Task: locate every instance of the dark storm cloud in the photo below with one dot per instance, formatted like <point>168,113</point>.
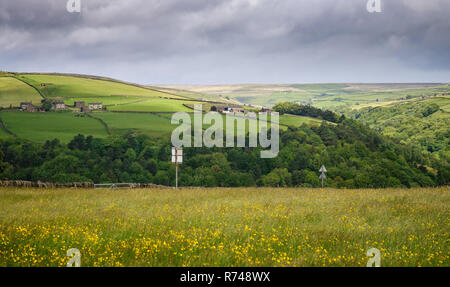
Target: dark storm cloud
<point>211,41</point>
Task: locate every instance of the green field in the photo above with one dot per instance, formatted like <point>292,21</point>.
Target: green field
<point>78,87</point>
<point>39,127</point>
<point>224,227</point>
<point>155,105</point>
<point>107,100</point>
<point>155,126</point>
<point>3,134</point>
<point>296,121</point>
<point>13,92</point>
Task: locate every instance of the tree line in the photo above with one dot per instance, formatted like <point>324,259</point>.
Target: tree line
<point>307,111</point>
<point>355,156</point>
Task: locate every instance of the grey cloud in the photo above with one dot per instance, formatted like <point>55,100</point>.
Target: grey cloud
<point>212,41</point>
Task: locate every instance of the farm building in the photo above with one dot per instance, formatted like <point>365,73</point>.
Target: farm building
<point>238,110</point>
<point>85,109</point>
<point>28,107</point>
<point>95,106</point>
<point>46,85</point>
<point>228,109</point>
<point>219,109</point>
<point>267,110</point>
<point>79,104</point>
<point>25,105</point>
<point>58,105</point>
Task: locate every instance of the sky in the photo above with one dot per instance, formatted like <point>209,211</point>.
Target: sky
<point>230,42</point>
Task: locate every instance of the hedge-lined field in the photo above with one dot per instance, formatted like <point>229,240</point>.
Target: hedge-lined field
<point>40,127</point>
<point>224,227</point>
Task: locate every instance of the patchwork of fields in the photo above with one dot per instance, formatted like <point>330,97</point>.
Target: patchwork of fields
<point>224,227</point>
<point>328,96</point>
<point>142,109</point>
<point>130,108</point>
<point>39,127</point>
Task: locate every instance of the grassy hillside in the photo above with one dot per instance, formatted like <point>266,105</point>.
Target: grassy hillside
<point>13,91</point>
<point>3,133</point>
<point>425,123</point>
<point>191,94</point>
<point>155,126</point>
<point>155,105</point>
<point>68,87</point>
<point>296,121</point>
<point>39,127</point>
<point>224,227</point>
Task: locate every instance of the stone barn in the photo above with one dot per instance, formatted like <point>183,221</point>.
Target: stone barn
<point>95,106</point>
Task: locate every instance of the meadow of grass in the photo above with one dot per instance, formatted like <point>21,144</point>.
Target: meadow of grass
<point>77,87</point>
<point>155,105</point>
<point>296,121</point>
<point>39,127</point>
<point>153,125</point>
<point>224,227</point>
<point>107,100</point>
<point>3,134</point>
<point>189,94</point>
<point>13,92</point>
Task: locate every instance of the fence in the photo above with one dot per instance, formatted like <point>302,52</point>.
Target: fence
<point>40,184</point>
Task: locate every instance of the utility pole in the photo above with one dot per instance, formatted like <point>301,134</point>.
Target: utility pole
<point>177,158</point>
<point>322,176</point>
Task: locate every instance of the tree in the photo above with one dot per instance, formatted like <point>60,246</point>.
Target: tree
<point>311,179</point>
<point>47,105</point>
<point>279,177</point>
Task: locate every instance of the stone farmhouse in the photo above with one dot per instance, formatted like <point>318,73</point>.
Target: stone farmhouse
<point>228,109</point>
<point>79,104</point>
<point>28,107</point>
<point>267,110</point>
<point>95,106</point>
<point>58,105</point>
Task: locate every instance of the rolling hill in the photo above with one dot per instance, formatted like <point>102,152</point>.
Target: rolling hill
<point>129,107</point>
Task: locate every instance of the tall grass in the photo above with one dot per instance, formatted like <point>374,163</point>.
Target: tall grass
<point>224,227</point>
